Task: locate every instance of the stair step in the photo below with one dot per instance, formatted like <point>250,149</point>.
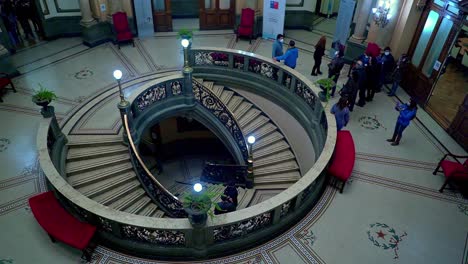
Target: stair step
<point>115,194</point>
<point>234,103</point>
<point>249,116</point>
<point>271,149</point>
<point>208,85</point>
<point>93,141</point>
<point>128,199</point>
<point>287,177</point>
<point>148,210</point>
<point>226,96</point>
<point>99,174</point>
<point>138,205</point>
<point>242,109</point>
<point>106,184</point>
<point>246,198</point>
<point>260,127</point>
<point>266,186</point>
<point>75,167</point>
<point>158,214</point>
<point>274,159</point>
<point>282,167</point>
<point>217,90</point>
<point>267,140</point>
<point>93,152</point>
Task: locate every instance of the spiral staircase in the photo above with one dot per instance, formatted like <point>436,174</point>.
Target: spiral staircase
<point>100,167</point>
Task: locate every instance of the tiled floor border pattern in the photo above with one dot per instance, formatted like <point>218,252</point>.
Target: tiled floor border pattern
<point>103,255</point>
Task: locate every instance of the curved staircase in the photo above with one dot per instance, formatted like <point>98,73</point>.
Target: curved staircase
<point>100,168</point>
<point>275,165</point>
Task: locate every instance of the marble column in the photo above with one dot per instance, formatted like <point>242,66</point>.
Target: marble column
<point>87,19</point>
<point>383,35</point>
<point>363,17</point>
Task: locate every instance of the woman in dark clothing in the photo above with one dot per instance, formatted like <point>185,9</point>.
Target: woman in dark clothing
<point>22,9</point>
<point>372,72</point>
<point>350,90</point>
<point>229,199</point>
<point>335,67</point>
<point>318,54</point>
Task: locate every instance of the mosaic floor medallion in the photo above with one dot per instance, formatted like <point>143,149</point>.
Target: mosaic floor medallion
<point>463,208</point>
<point>370,122</point>
<point>84,74</point>
<point>385,237</point>
<point>4,142</point>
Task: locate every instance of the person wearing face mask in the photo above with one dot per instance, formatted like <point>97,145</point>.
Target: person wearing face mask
<point>407,113</point>
<point>397,75</point>
<point>386,62</point>
<point>334,68</point>
<point>278,46</point>
<point>290,57</point>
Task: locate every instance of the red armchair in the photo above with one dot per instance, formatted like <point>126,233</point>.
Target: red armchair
<point>454,171</point>
<point>123,32</point>
<point>5,80</point>
<point>246,27</point>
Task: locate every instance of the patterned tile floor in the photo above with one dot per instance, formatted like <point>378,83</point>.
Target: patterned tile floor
<point>390,211</point>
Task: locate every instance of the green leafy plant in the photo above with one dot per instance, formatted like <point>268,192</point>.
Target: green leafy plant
<point>185,33</point>
<point>202,201</point>
<point>327,84</point>
<point>44,95</point>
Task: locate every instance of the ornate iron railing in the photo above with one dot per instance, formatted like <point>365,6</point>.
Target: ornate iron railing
<point>213,104</point>
<point>168,202</point>
<point>224,173</point>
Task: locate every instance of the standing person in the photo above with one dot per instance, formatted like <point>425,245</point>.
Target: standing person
<point>341,112</point>
<point>397,75</point>
<point>361,73</point>
<point>22,9</point>
<point>335,67</point>
<point>278,46</point>
<point>9,19</point>
<point>32,14</point>
<point>350,90</point>
<point>387,63</point>
<point>290,57</point>
<point>407,113</point>
<point>318,54</point>
<point>372,73</point>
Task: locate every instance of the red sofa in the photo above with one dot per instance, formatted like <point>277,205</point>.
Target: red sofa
<point>342,163</point>
<point>60,225</point>
<point>454,171</point>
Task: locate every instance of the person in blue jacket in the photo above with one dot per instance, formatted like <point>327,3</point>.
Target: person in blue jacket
<point>290,57</point>
<point>407,113</point>
<point>278,46</point>
<point>341,112</point>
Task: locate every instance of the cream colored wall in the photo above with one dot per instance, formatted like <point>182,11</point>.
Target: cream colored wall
<point>112,6</point>
<point>256,5</point>
<point>405,28</point>
<point>169,132</point>
<point>51,9</point>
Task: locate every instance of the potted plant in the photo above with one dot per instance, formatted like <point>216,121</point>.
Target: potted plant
<point>198,205</point>
<point>326,85</point>
<point>185,34</point>
<point>43,97</point>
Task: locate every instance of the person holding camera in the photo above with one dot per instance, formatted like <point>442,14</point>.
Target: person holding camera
<point>407,113</point>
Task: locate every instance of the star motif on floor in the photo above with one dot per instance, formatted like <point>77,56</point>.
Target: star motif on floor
<point>381,234</point>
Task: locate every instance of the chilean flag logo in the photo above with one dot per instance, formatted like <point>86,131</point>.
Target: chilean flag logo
<point>274,4</point>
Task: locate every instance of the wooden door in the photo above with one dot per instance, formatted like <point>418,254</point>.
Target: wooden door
<point>217,14</point>
<point>459,127</point>
<point>429,49</point>
<point>162,15</point>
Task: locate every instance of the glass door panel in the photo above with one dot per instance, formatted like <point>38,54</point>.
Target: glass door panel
<point>426,34</point>
<point>224,4</point>
<point>437,45</point>
<point>159,5</point>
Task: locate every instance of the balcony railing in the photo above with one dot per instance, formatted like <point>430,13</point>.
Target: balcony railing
<point>176,237</point>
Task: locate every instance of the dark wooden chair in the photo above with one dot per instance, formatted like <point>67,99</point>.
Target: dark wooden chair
<point>5,80</point>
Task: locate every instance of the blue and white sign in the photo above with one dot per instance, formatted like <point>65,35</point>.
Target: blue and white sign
<point>273,18</point>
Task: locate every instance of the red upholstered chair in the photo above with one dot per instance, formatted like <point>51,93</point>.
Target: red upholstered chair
<point>454,171</point>
<point>373,49</point>
<point>246,27</point>
<point>5,80</point>
<point>122,30</point>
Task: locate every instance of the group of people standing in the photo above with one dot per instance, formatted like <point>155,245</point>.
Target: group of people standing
<point>14,12</point>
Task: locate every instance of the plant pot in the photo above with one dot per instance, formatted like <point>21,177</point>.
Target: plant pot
<point>43,103</point>
<point>46,111</point>
<point>196,217</point>
<point>323,96</point>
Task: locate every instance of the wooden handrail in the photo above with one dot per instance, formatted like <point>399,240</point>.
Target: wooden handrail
<point>142,164</point>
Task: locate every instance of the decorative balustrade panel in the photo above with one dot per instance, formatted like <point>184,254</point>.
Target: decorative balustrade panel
<point>150,96</point>
<point>265,69</point>
<point>215,106</point>
<point>176,87</point>
<point>220,173</point>
<point>286,208</point>
<point>306,94</point>
<point>243,228</point>
<point>239,62</point>
<point>168,204</point>
<point>211,58</point>
<point>160,237</point>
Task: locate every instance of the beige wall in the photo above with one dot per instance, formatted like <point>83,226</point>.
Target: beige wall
<point>256,5</point>
<point>405,28</point>
<point>112,6</point>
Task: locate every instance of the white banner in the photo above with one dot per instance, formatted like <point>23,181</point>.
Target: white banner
<point>273,18</point>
